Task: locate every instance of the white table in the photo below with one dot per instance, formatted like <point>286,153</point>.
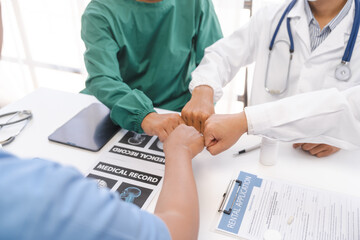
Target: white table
<point>339,172</point>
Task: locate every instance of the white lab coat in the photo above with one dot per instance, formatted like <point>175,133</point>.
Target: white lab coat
<point>334,118</point>
<point>310,71</point>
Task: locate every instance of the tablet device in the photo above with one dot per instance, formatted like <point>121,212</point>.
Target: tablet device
<point>89,129</point>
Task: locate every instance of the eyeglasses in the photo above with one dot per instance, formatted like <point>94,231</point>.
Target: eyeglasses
<point>12,119</point>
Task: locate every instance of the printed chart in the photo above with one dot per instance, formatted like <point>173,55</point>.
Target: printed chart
<point>134,167</point>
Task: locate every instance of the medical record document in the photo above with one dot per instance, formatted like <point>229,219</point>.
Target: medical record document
<point>134,167</point>
<point>295,212</point>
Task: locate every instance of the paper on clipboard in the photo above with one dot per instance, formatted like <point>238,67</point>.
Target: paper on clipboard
<point>296,212</point>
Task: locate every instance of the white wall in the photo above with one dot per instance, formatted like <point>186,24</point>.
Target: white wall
<point>42,47</point>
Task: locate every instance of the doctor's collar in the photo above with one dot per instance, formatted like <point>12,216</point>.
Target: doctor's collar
<point>298,10</point>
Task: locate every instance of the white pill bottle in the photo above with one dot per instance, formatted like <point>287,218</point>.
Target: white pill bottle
<point>269,151</point>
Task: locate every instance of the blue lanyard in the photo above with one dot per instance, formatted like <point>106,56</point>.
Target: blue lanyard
<point>351,43</point>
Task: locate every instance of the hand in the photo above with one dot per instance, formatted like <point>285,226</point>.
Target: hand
<point>222,131</point>
<point>184,140</point>
<point>199,108</point>
<point>318,150</point>
<point>160,125</point>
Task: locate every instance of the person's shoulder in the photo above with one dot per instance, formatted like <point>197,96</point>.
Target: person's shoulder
<point>9,163</point>
<point>100,11</point>
<point>95,5</point>
<point>29,173</point>
<point>7,158</point>
<point>101,7</point>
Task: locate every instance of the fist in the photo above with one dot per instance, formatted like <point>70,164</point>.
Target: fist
<point>199,108</point>
<point>184,140</point>
<point>161,125</point>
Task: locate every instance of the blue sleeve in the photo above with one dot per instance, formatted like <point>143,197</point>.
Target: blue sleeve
<point>44,200</point>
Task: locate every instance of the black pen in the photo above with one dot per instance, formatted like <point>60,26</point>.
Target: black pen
<point>245,150</point>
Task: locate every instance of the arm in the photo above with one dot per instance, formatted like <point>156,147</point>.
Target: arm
<point>221,62</point>
<point>56,202</point>
<point>178,202</point>
<point>331,117</point>
<point>128,106</point>
<point>61,204</point>
<point>208,30</point>
<point>223,59</point>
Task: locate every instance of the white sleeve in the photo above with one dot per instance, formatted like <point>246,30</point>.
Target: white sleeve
<point>325,116</point>
<point>223,59</point>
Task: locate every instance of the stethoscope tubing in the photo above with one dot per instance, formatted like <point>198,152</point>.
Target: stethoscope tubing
<point>26,112</point>
<point>342,72</point>
<point>287,10</point>
<point>353,35</point>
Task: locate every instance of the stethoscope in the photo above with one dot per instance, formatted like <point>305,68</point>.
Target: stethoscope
<point>342,71</point>
<point>24,115</point>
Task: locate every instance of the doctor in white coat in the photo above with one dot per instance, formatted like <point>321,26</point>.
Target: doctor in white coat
<point>314,35</point>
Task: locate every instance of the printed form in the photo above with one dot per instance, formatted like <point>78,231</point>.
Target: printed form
<point>296,212</point>
<point>134,167</point>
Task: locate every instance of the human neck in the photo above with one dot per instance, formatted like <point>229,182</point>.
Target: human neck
<point>149,1</point>
<point>325,10</point>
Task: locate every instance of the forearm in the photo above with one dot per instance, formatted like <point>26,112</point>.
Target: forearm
<point>128,106</point>
<point>178,202</point>
<point>212,71</point>
<point>326,116</point>
<point>223,59</point>
<point>204,92</point>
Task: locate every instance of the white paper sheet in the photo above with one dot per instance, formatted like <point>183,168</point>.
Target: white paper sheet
<point>296,212</point>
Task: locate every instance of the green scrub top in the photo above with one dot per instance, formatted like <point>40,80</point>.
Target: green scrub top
<point>140,55</point>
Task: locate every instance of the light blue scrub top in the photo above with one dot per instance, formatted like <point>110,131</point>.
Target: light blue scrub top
<point>44,200</point>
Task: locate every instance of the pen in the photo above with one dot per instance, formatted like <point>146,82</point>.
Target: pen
<point>245,150</point>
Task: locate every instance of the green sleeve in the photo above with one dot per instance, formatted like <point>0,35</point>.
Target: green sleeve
<point>209,30</point>
<point>128,106</point>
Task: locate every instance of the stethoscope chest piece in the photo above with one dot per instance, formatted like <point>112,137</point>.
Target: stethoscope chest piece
<point>342,72</point>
